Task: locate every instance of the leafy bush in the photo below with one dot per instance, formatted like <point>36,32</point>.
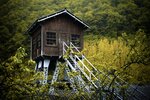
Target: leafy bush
<point>126,56</point>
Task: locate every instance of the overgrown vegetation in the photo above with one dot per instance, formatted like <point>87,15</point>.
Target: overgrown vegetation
<point>17,77</point>
<point>106,17</point>
<point>127,56</point>
<point>116,43</point>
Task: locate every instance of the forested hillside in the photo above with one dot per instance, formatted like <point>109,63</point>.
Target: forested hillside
<point>106,17</point>
<point>117,41</point>
<point>127,56</point>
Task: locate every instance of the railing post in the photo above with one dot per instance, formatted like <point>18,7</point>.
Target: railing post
<point>46,65</point>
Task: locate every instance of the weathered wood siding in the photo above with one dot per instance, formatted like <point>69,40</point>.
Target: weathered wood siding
<point>61,25</point>
<point>35,51</point>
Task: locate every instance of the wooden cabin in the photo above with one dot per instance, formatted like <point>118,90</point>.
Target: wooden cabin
<point>48,33</point>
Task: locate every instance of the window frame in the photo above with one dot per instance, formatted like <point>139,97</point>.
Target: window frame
<point>72,41</point>
<point>51,39</point>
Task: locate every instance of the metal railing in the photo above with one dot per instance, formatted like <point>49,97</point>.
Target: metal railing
<point>89,74</point>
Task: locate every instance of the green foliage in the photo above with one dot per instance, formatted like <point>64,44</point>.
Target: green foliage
<point>107,17</point>
<point>126,56</point>
<point>17,77</point>
<point>68,52</point>
<point>73,74</point>
<point>60,85</point>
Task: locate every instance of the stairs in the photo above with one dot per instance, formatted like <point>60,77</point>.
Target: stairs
<point>76,63</point>
<point>71,79</point>
<point>85,79</point>
<point>54,79</point>
<point>73,62</point>
<point>45,75</point>
<point>77,79</point>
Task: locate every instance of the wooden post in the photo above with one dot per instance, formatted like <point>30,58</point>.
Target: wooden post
<point>46,65</point>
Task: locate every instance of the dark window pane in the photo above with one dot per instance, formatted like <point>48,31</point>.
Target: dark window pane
<point>51,38</point>
<point>75,39</point>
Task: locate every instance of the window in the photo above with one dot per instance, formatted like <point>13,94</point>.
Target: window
<point>75,39</point>
<point>51,38</point>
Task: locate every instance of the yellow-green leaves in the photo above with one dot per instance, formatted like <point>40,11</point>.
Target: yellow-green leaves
<point>18,76</point>
<point>114,55</point>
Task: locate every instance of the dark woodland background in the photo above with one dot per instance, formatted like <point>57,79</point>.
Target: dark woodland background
<point>119,36</point>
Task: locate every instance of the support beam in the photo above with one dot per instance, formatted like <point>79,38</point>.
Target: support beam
<point>46,65</point>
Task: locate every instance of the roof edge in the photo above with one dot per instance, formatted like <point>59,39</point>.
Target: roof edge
<point>53,15</point>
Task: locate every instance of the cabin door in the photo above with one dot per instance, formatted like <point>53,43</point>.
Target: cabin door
<point>63,37</point>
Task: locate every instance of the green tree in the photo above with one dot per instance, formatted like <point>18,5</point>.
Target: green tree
<point>127,56</point>
<point>17,78</point>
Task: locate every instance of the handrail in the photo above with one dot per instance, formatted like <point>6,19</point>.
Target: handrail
<point>90,72</point>
<point>86,67</point>
<point>83,56</point>
<point>70,65</point>
<point>65,44</point>
<point>87,76</point>
<point>82,70</point>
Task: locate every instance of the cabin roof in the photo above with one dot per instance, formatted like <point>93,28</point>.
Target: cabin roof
<point>65,11</point>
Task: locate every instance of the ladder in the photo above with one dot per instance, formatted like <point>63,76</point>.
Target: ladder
<point>71,79</point>
<point>45,75</point>
<point>54,79</point>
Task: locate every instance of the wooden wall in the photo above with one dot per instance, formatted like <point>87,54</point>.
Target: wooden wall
<point>64,26</point>
<point>37,51</point>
